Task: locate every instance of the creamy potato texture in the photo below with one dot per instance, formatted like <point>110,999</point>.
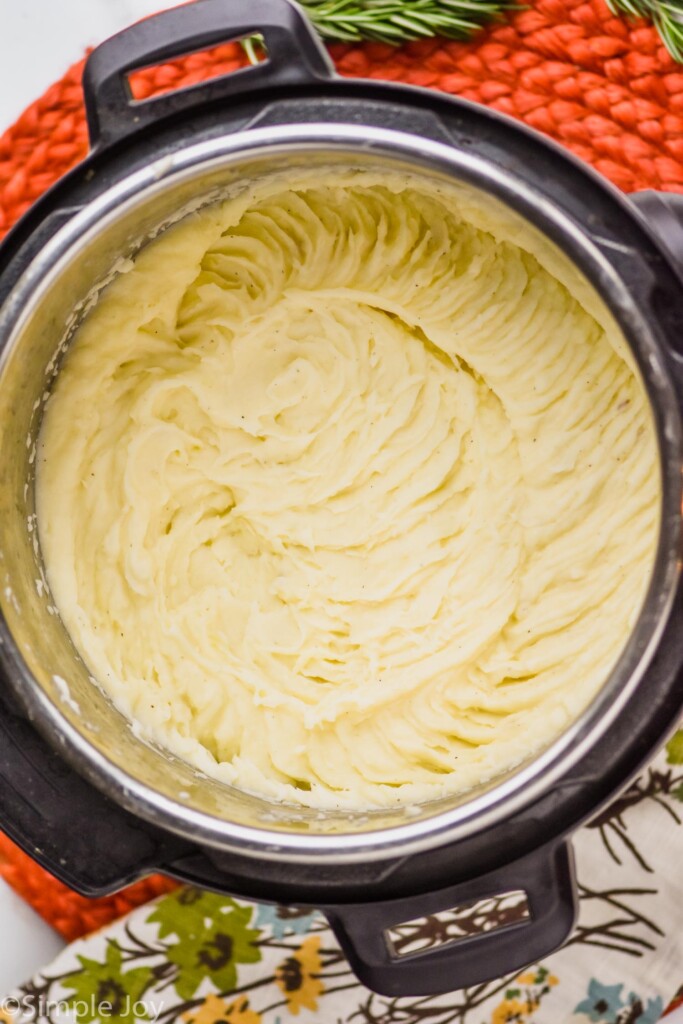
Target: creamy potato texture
<point>344,495</point>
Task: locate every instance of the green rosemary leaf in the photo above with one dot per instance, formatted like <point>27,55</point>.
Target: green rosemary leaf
<point>254,47</point>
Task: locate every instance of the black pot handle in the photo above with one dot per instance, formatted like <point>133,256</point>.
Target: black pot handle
<point>663,214</point>
<point>295,57</point>
<point>72,829</point>
<point>547,878</point>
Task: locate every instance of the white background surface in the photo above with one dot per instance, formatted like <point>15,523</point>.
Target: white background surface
<point>26,942</point>
<point>39,39</point>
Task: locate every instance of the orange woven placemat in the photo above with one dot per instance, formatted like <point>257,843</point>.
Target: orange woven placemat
<point>604,87</point>
<point>70,914</point>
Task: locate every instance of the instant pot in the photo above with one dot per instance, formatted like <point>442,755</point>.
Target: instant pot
<point>80,791</point>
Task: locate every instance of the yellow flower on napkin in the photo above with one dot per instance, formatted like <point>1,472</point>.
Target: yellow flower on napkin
<point>510,1011</point>
<point>217,1011</point>
<point>298,978</point>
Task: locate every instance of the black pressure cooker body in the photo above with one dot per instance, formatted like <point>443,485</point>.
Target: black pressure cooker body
<point>52,803</point>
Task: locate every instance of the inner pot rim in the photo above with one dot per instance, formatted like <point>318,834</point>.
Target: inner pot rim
<point>521,787</point>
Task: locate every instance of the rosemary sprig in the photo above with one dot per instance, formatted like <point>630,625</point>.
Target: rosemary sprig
<point>667,16</point>
<point>397,21</point>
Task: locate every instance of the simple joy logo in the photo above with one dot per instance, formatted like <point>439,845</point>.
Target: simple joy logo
<point>26,1008</point>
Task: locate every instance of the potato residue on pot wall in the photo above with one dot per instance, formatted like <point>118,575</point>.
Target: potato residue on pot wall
<point>343,496</point>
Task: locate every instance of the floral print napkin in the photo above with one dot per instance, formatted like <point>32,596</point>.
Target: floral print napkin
<point>195,957</point>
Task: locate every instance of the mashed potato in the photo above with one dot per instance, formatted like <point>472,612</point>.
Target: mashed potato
<point>343,496</point>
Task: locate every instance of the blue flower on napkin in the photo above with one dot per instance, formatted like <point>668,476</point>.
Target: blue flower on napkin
<point>284,921</point>
<point>604,1005</point>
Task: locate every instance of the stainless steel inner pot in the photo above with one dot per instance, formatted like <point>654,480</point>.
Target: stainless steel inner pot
<point>37,321</point>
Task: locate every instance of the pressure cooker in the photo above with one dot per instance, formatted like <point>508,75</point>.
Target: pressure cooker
<point>79,790</point>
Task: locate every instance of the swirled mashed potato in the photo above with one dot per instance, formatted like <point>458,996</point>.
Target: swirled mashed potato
<point>343,496</point>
